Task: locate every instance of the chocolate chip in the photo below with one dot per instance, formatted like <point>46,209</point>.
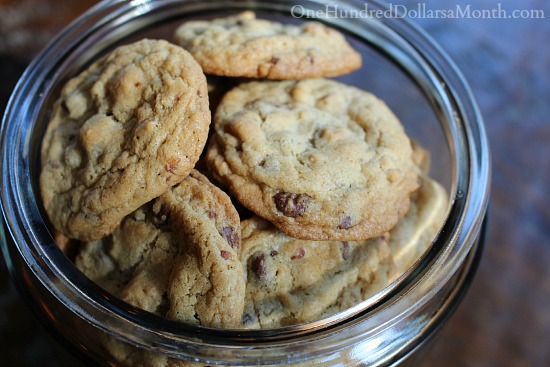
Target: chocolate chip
<point>345,222</point>
<point>345,250</point>
<point>291,205</point>
<point>274,253</point>
<point>231,237</point>
<point>258,266</point>
<point>299,255</point>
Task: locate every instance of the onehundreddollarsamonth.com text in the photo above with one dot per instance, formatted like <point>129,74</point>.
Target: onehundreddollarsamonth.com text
<point>420,11</point>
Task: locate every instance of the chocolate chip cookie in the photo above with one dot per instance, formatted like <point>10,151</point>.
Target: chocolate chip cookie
<point>242,45</point>
<point>408,240</point>
<point>319,159</point>
<point>290,281</point>
<point>177,256</point>
<point>122,132</point>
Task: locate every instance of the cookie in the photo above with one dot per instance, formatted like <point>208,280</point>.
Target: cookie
<point>122,132</point>
<point>242,45</point>
<point>408,240</point>
<point>416,231</point>
<point>289,277</point>
<point>177,256</point>
<point>319,159</point>
<point>291,281</point>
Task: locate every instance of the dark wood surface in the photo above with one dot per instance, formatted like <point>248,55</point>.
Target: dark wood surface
<point>504,319</point>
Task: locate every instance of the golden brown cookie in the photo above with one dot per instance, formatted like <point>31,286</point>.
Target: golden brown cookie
<point>177,256</point>
<point>408,240</point>
<point>291,281</point>
<point>242,45</point>
<point>122,132</point>
<point>317,158</point>
<point>416,231</point>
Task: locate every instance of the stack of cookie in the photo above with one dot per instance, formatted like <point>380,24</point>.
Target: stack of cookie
<point>303,198</point>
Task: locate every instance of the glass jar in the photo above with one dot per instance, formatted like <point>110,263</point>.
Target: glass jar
<point>402,65</point>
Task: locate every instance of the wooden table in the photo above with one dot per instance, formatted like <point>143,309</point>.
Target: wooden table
<point>505,318</point>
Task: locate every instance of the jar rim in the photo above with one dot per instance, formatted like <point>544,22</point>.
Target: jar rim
<point>442,81</point>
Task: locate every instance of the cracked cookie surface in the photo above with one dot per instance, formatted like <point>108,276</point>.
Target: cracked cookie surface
<point>242,45</point>
<point>318,159</point>
<point>122,132</point>
<point>177,256</point>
